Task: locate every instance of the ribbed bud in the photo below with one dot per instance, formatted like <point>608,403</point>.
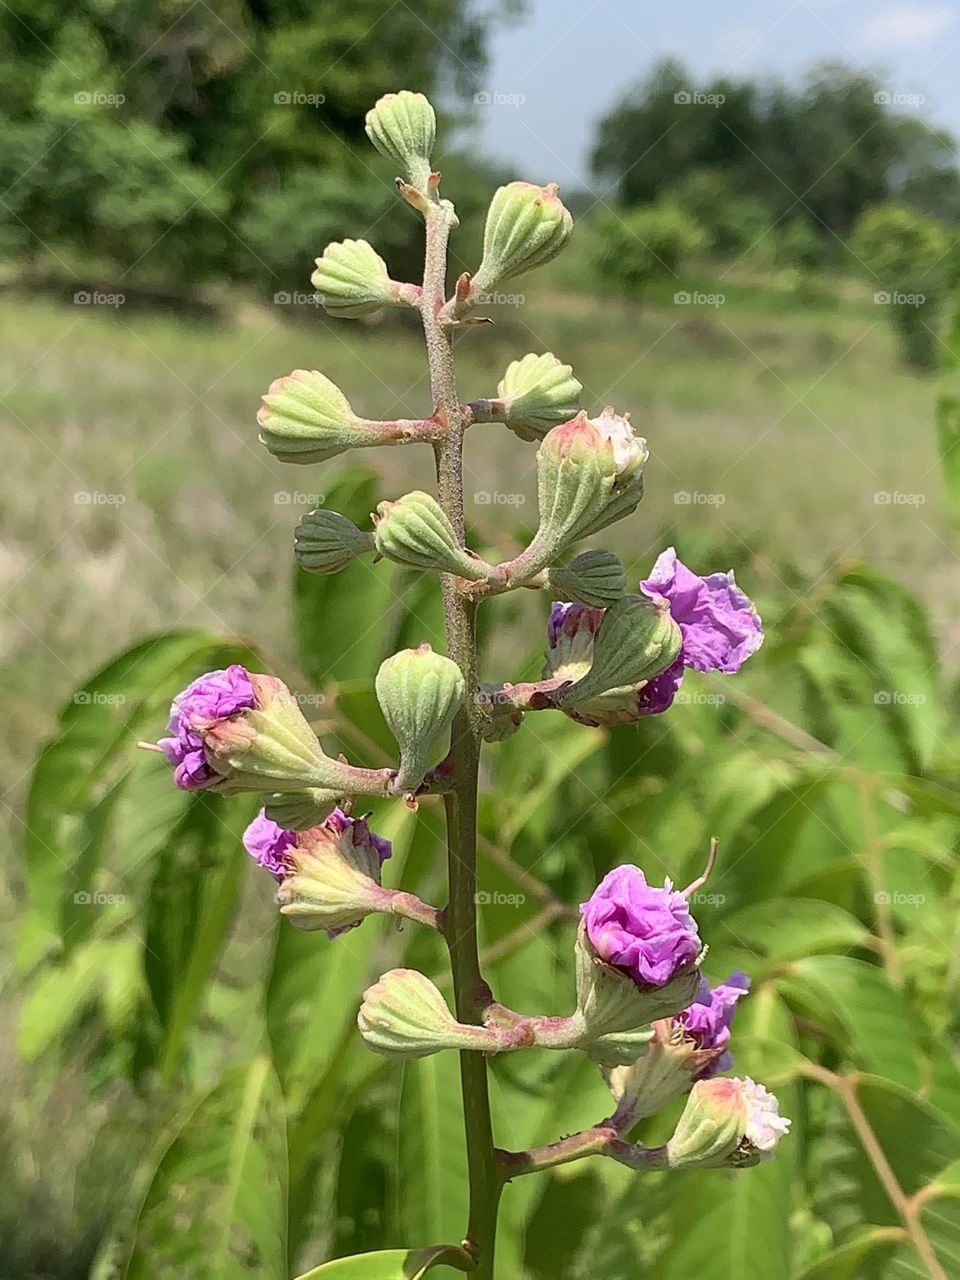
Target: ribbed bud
<point>620,1050</point>
<point>636,640</point>
<point>271,747</point>
<point>594,578</point>
<point>526,226</point>
<point>414,530</point>
<point>419,692</point>
<point>611,1001</point>
<point>306,418</point>
<point>403,1015</point>
<point>352,280</point>
<point>326,541</point>
<point>537,393</point>
<point>403,127</point>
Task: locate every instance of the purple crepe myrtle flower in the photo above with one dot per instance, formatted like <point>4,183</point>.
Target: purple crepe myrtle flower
<point>719,624</point>
<point>211,697</point>
<point>707,1021</point>
<point>646,932</point>
<point>291,857</point>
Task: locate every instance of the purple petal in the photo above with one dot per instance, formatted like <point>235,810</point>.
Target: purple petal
<point>707,1021</point>
<point>213,696</point>
<point>719,624</point>
<point>646,931</point>
<point>267,843</point>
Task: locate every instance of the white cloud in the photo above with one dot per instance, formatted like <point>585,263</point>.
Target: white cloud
<point>907,27</point>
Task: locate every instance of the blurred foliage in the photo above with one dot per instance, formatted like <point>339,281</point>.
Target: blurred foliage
<point>232,1122</point>
<point>634,247</point>
<point>822,151</point>
<point>177,142</point>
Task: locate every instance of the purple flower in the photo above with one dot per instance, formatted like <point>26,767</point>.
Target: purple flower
<point>214,696</point>
<point>267,843</point>
<point>719,625</point>
<point>707,1021</point>
<point>647,932</point>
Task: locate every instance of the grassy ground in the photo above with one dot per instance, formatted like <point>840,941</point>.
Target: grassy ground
<point>782,421</point>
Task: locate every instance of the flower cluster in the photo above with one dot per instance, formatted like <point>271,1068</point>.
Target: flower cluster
<point>643,1012</point>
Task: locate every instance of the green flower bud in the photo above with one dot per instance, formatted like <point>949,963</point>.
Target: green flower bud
<point>353,280</point>
<point>419,692</point>
<point>272,747</point>
<point>306,418</point>
<point>620,1050</point>
<point>526,226</point>
<point>537,393</point>
<point>403,127</point>
<point>403,1015</point>
<point>326,541</point>
<point>415,531</point>
<point>636,640</point>
<point>610,1001</point>
<point>728,1122</point>
<point>595,578</point>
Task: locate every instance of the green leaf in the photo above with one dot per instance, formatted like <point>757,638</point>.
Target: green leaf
<point>846,1262</point>
<point>432,1160</point>
<point>790,928</point>
<point>216,1207</point>
<point>948,431</point>
<point>390,1264</point>
<point>192,903</point>
<point>866,1015</point>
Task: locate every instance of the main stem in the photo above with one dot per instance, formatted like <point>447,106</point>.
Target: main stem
<point>460,803</point>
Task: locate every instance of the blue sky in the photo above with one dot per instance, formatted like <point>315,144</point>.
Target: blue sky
<point>570,60</point>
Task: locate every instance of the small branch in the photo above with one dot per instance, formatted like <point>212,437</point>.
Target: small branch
<point>845,1087</point>
<point>601,1140</point>
<point>873,861</point>
<point>410,907</point>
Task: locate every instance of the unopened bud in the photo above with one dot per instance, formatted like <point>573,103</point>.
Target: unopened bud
<point>595,578</point>
<point>636,640</point>
<point>298,810</point>
<point>326,541</point>
<point>353,280</point>
<point>403,1015</point>
<point>526,226</point>
<point>415,531</point>
<point>419,692</point>
<point>537,393</point>
<point>403,127</point>
<point>306,418</point>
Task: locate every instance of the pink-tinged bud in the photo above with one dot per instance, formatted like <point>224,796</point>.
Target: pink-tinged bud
<point>589,474</point>
<point>306,418</point>
<point>235,731</point>
<point>352,280</point>
<point>726,1122</point>
<point>329,875</point>
<point>526,226</point>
